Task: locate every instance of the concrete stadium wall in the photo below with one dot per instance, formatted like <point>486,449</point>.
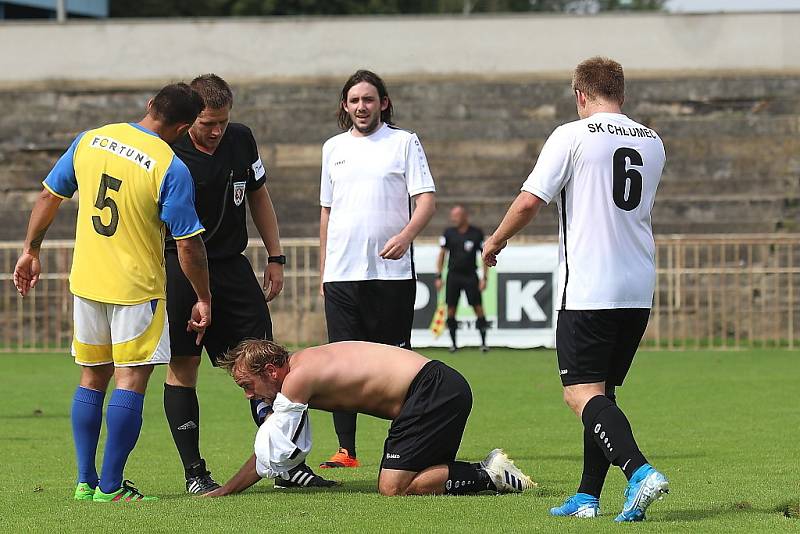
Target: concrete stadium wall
<point>733,145</point>
<point>273,48</point>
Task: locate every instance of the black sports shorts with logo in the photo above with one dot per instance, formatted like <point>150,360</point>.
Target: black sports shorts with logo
<point>598,345</point>
<point>430,425</point>
<point>381,311</point>
<point>458,281</point>
<point>238,307</point>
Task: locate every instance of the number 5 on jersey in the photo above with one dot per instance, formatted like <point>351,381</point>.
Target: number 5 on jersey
<point>103,201</point>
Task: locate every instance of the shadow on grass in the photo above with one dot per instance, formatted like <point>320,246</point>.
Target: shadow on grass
<point>790,509</point>
<point>579,457</point>
<point>31,416</point>
<point>696,514</point>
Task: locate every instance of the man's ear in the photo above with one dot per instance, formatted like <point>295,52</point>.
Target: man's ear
<point>182,129</point>
<point>270,370</point>
<point>384,103</point>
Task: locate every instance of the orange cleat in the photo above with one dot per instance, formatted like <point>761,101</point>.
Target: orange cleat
<point>341,459</point>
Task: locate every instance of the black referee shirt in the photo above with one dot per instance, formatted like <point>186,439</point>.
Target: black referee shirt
<point>221,180</point>
<point>462,248</point>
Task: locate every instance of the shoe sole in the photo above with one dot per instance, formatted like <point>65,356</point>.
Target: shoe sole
<point>585,513</point>
<point>331,465</point>
<point>507,477</point>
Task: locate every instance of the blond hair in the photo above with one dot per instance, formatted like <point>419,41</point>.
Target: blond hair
<point>253,355</point>
<point>600,77</point>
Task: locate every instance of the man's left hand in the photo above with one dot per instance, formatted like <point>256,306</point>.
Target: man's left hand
<point>395,248</point>
<point>482,284</point>
<point>273,280</point>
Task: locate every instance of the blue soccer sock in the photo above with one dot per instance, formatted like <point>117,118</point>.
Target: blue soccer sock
<point>87,418</point>
<point>123,422</point>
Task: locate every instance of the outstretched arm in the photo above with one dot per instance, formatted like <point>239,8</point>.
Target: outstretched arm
<point>243,479</point>
<point>522,211</point>
<point>28,269</point>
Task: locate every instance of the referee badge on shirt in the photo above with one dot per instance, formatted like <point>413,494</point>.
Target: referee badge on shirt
<point>468,245</point>
<point>238,192</point>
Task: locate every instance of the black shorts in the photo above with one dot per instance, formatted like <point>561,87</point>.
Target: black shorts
<point>430,425</point>
<point>468,282</point>
<point>381,311</point>
<point>598,345</point>
<point>238,307</point>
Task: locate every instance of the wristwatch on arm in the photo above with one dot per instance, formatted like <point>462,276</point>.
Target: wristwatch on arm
<point>277,259</point>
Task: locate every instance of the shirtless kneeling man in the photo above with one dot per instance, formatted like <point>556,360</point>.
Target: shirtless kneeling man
<point>427,402</point>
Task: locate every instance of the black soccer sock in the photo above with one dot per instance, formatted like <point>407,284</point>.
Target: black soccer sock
<point>612,432</point>
<point>595,463</point>
<point>595,466</point>
<point>482,323</point>
<point>465,478</point>
<point>183,416</point>
<point>452,326</point>
<point>345,425</point>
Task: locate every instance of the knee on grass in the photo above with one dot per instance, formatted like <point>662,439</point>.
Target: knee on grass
<point>392,489</point>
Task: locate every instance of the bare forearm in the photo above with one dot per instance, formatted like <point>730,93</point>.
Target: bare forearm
<point>194,263</point>
<point>266,221</point>
<point>424,208</point>
<point>440,261</point>
<point>42,215</point>
<point>324,215</point>
<point>522,211</point>
<point>244,478</point>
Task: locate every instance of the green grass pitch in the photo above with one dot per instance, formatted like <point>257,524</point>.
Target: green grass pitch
<point>723,427</point>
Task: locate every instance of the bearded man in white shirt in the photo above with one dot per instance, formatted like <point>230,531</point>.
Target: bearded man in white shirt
<point>370,174</point>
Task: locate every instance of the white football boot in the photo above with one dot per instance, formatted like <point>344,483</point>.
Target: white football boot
<point>507,477</point>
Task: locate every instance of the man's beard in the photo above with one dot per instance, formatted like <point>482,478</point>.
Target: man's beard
<point>371,127</point>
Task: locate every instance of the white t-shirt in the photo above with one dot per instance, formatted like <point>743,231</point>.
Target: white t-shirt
<point>368,183</point>
<point>603,172</point>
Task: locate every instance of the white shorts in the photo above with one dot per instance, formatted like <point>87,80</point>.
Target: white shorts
<point>122,335</point>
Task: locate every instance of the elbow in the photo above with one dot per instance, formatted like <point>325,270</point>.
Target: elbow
<point>530,203</point>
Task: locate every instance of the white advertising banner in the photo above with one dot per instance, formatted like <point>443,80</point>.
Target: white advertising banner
<point>519,300</point>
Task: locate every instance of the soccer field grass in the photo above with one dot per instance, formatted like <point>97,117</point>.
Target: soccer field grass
<point>722,426</point>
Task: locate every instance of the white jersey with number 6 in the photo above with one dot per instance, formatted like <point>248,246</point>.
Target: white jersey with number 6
<point>603,172</point>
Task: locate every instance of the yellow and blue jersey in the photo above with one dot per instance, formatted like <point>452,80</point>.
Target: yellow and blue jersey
<point>130,184</point>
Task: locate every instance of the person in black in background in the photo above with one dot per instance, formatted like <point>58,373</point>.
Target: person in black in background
<point>462,242</point>
<point>226,168</point>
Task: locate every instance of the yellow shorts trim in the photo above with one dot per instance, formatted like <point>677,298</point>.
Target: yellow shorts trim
<point>91,354</point>
<point>143,348</point>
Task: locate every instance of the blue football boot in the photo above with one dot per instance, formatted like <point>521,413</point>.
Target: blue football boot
<point>645,486</point>
<point>579,505</point>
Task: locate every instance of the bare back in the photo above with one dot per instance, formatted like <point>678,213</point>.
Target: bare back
<point>352,376</point>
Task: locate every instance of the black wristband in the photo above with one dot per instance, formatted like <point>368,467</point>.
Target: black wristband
<point>277,259</point>
<point>438,275</point>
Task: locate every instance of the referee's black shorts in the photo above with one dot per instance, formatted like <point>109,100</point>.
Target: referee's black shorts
<point>238,307</point>
<point>456,282</point>
<point>598,345</point>
<point>381,311</point>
